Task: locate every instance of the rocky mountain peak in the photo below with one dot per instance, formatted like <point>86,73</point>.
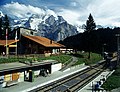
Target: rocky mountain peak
<point>50,26</point>
<point>50,20</point>
<point>60,19</point>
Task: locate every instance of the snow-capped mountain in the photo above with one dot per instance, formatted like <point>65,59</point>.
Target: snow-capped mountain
<point>75,12</point>
<point>50,26</point>
<point>45,20</point>
<point>55,28</point>
<point>80,28</point>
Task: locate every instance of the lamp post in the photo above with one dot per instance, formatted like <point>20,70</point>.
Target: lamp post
<point>118,48</point>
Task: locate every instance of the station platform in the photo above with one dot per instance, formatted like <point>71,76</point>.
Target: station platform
<point>40,81</point>
<point>105,74</point>
<point>89,86</point>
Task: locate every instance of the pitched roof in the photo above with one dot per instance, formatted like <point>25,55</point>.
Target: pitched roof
<point>44,41</point>
<point>9,42</point>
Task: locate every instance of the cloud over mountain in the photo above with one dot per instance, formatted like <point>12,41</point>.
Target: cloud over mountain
<point>45,21</point>
<point>15,9</point>
<point>105,12</point>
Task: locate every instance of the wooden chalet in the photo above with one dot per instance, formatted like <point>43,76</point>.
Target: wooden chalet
<point>38,45</point>
<point>29,43</point>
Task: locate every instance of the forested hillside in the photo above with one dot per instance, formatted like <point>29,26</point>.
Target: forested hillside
<point>100,39</point>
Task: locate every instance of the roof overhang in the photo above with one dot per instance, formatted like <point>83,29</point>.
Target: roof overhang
<point>44,41</point>
<point>7,42</point>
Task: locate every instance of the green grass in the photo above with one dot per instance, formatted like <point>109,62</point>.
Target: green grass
<point>80,61</point>
<point>113,81</point>
<point>60,58</point>
<point>94,58</point>
<point>83,58</point>
<point>10,60</point>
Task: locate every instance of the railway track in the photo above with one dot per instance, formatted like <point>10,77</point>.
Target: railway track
<point>72,83</point>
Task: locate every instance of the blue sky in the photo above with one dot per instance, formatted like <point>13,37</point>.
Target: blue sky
<point>76,12</point>
<point>38,3</point>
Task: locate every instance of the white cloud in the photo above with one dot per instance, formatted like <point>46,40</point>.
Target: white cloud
<point>21,10</point>
<point>24,11</point>
<point>105,12</point>
<point>70,16</point>
<point>73,4</point>
<point>51,12</point>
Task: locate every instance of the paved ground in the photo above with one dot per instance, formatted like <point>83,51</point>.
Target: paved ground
<point>26,86</point>
<point>73,61</point>
<point>88,87</point>
<point>11,65</point>
<point>18,64</point>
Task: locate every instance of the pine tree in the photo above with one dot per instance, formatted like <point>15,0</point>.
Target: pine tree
<point>90,26</point>
<point>0,27</point>
<point>6,26</point>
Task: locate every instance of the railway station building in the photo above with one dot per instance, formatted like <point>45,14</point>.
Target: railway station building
<point>14,73</point>
<point>28,43</point>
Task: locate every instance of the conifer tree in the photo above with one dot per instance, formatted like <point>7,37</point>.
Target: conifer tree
<point>6,26</point>
<point>90,26</point>
<point>0,27</point>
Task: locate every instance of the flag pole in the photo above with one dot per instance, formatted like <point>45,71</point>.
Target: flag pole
<point>6,41</point>
<point>16,41</point>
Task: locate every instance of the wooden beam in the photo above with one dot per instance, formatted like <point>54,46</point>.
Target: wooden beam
<point>12,45</point>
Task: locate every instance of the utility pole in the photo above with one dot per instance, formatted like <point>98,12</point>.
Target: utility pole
<point>118,48</point>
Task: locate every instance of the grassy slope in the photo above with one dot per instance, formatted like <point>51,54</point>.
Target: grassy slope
<point>83,58</point>
<point>113,81</point>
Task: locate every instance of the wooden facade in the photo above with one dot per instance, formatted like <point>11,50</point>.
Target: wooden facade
<point>29,43</point>
<point>38,45</point>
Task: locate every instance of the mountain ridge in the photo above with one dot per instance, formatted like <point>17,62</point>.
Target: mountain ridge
<point>50,26</point>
